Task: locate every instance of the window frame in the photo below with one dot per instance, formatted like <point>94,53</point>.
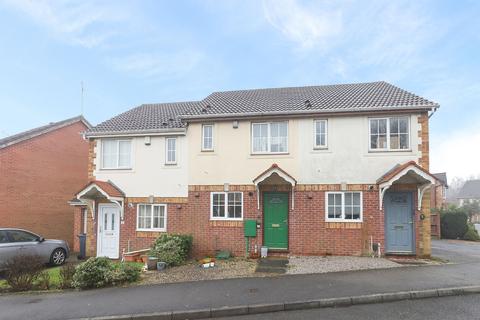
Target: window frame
<point>164,229</point>
<point>203,137</point>
<point>409,147</point>
<point>117,167</point>
<point>315,146</point>
<point>342,218</point>
<point>226,218</point>
<point>269,138</point>
<point>174,162</point>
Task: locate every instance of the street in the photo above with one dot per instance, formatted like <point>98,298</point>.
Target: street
<point>458,308</point>
<point>462,271</point>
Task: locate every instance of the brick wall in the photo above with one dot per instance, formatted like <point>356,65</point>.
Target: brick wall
<point>38,177</point>
<point>309,233</point>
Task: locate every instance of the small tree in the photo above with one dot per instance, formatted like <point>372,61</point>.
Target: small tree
<point>471,208</point>
<point>453,222</point>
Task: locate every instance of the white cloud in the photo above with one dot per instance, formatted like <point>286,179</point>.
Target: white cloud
<point>159,65</point>
<point>458,153</point>
<point>308,27</point>
<point>83,23</point>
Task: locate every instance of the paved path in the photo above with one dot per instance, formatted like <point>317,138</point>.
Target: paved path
<point>217,293</point>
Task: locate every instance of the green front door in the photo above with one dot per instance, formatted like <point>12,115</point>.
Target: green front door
<point>275,220</point>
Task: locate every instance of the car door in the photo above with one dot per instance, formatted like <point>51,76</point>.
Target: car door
<point>7,249</point>
<point>26,243</point>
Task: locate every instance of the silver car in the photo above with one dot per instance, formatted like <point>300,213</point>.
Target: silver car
<point>15,242</point>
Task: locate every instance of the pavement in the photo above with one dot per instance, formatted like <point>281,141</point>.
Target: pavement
<point>458,308</point>
<point>241,292</point>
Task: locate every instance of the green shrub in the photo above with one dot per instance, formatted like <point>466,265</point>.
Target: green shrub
<point>102,272</point>
<point>93,273</point>
<point>127,272</point>
<point>22,271</point>
<point>453,222</point>
<point>173,249</point>
<point>66,275</point>
<point>471,234</point>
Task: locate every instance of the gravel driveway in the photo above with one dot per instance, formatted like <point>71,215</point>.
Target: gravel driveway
<point>311,264</point>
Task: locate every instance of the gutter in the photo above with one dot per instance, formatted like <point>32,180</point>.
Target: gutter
<point>230,116</point>
<point>137,133</point>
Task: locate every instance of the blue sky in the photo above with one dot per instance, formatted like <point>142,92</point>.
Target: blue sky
<point>133,52</point>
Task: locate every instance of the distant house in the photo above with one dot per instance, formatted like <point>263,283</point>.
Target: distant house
<point>316,170</point>
<point>40,169</point>
<point>470,193</point>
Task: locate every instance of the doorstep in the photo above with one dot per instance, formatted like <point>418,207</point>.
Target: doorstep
<point>277,265</point>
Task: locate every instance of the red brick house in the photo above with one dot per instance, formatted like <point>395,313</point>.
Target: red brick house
<point>317,170</point>
<point>40,169</point>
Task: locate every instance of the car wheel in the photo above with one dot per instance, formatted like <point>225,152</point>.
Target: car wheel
<point>58,257</point>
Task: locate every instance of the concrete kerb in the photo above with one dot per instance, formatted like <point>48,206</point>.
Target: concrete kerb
<point>297,305</point>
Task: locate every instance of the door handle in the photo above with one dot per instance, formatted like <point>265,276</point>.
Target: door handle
<point>275,225</point>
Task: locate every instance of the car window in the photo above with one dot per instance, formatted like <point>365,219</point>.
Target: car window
<point>21,236</point>
<point>3,237</point>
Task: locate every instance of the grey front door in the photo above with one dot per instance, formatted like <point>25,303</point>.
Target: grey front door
<point>399,221</point>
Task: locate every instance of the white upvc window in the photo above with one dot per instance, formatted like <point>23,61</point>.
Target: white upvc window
<point>171,150</point>
<point>226,206</point>
<point>207,137</point>
<point>116,154</point>
<point>320,134</point>
<point>389,134</point>
<point>343,206</point>
<point>152,217</point>
<point>270,137</point>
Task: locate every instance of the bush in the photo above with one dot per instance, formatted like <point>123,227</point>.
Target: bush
<point>22,271</point>
<point>93,273</point>
<point>102,272</point>
<point>66,275</point>
<point>127,272</point>
<point>471,234</point>
<point>43,280</point>
<point>173,249</point>
<point>453,223</point>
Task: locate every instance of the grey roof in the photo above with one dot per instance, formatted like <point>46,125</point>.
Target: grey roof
<point>470,190</point>
<point>147,118</point>
<point>442,177</point>
<point>369,97</point>
<point>373,96</point>
<point>16,138</point>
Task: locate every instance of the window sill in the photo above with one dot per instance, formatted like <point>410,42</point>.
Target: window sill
<point>320,148</point>
<point>344,220</point>
<point>151,230</point>
<point>115,169</point>
<point>207,150</point>
<point>269,153</point>
<point>226,219</point>
<point>389,150</point>
<point>172,164</point>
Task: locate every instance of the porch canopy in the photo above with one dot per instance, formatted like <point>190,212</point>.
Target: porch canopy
<point>97,190</point>
<point>407,173</point>
<point>274,176</point>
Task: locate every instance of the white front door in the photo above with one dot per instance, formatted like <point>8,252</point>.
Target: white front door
<point>108,237</point>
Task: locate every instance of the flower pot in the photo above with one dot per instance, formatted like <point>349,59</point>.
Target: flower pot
<point>152,263</point>
<point>161,266</point>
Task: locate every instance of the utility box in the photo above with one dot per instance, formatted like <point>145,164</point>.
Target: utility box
<point>250,228</point>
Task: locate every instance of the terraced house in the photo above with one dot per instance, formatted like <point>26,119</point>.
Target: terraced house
<point>335,169</point>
